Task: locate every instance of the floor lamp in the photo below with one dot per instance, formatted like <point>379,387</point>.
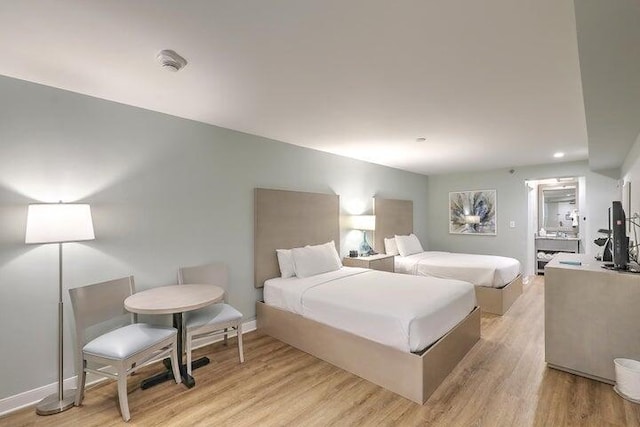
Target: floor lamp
<point>58,223</point>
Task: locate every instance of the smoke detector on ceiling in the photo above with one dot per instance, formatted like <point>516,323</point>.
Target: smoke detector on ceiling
<point>170,60</point>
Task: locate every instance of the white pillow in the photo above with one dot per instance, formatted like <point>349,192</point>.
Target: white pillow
<point>312,260</point>
<point>408,245</point>
<point>390,247</point>
<point>285,261</point>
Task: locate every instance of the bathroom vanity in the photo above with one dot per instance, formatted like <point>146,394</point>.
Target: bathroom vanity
<point>549,246</point>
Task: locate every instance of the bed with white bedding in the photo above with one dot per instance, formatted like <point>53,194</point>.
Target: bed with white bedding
<point>482,270</point>
<point>367,323</point>
<point>401,311</point>
<point>497,279</point>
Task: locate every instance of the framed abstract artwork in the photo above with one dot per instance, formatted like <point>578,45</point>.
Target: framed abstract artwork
<point>473,212</point>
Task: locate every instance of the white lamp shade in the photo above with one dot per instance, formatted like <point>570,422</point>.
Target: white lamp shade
<point>58,223</point>
<point>363,222</point>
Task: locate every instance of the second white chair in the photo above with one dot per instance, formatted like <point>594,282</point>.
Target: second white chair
<point>216,319</point>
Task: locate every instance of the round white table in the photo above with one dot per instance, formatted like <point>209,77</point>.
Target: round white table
<point>175,300</point>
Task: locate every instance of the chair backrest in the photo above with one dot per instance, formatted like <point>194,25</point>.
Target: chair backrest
<point>216,273</point>
<point>100,302</point>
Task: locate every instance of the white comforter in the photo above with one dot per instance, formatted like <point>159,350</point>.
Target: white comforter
<point>406,312</point>
<point>481,270</point>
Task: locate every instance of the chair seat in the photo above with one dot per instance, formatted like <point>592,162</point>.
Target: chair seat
<point>216,313</point>
<point>126,341</point>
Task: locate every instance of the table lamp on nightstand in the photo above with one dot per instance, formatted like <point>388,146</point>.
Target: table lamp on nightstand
<point>364,223</point>
<point>58,223</point>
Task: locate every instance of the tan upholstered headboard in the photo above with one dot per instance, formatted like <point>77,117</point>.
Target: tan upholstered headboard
<point>289,219</point>
<point>392,217</point>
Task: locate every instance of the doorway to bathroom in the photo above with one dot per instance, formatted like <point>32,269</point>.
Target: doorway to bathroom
<point>554,222</point>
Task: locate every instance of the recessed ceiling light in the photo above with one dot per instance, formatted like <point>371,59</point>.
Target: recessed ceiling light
<point>421,139</point>
<point>558,155</point>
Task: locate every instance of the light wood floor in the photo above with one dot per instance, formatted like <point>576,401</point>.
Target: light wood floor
<point>503,381</point>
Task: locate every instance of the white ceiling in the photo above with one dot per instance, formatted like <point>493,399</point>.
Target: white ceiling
<point>490,84</point>
<point>609,46</point>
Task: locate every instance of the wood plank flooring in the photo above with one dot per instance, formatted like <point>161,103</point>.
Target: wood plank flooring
<point>503,381</point>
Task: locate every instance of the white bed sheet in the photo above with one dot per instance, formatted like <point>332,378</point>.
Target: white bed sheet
<point>481,270</point>
<point>406,312</point>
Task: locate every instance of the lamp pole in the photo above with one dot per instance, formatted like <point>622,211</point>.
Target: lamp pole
<point>58,223</point>
<point>62,399</point>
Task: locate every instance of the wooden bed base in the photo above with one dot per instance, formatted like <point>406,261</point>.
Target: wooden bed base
<point>498,300</point>
<point>410,375</point>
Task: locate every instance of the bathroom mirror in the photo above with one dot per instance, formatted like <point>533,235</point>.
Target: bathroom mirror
<point>559,211</point>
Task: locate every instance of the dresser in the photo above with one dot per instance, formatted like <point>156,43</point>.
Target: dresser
<point>592,316</point>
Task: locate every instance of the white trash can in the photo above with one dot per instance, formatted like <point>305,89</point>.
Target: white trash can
<point>627,379</point>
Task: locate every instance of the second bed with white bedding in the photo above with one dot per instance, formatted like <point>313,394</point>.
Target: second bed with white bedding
<point>481,270</point>
<point>405,312</point>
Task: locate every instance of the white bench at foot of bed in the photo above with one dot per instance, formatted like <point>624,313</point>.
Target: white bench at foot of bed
<point>498,300</point>
<point>414,376</point>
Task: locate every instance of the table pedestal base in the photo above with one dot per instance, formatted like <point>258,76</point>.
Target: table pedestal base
<point>167,375</point>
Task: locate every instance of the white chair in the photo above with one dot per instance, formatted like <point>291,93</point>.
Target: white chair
<point>127,345</point>
<point>216,319</point>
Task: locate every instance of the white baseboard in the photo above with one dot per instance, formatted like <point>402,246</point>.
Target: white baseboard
<point>249,326</point>
<point>31,397</point>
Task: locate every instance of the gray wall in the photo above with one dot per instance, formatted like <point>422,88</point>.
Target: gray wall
<point>164,192</point>
<point>512,206</point>
<point>631,174</point>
